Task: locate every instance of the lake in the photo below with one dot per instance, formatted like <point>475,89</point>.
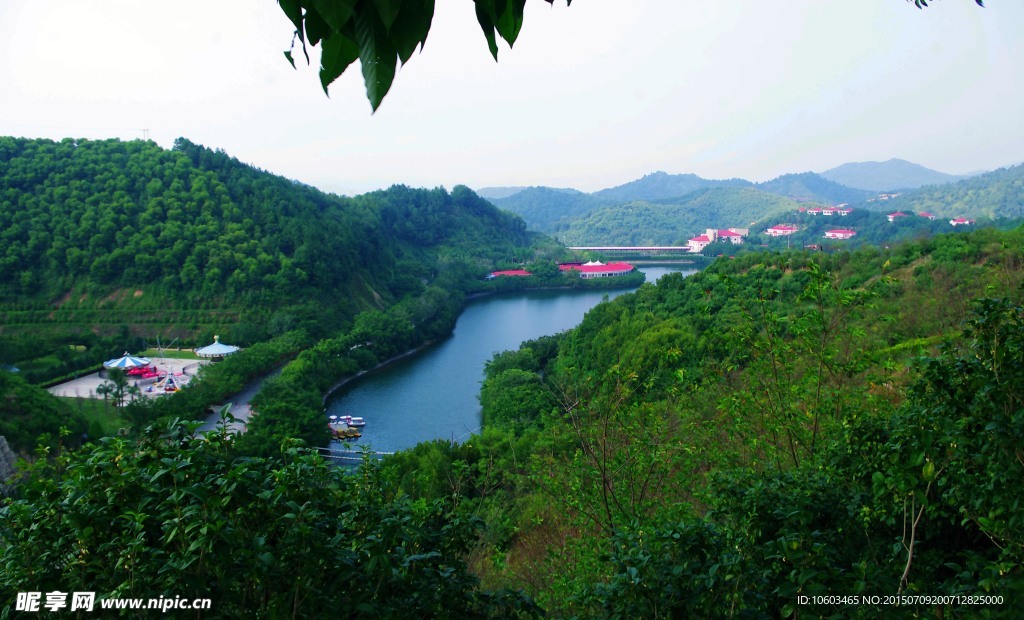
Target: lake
<point>434,393</point>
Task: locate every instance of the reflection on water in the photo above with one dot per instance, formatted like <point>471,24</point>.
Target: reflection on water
<point>434,394</point>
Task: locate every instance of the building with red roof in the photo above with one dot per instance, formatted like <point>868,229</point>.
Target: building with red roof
<point>781,230</point>
<point>892,216</point>
<point>597,269</point>
<point>926,215</point>
<point>732,235</point>
<point>839,233</point>
<point>960,221</point>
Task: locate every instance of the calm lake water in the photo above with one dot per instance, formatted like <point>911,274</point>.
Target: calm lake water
<point>434,394</point>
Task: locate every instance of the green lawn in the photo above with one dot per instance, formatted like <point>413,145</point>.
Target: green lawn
<point>184,354</point>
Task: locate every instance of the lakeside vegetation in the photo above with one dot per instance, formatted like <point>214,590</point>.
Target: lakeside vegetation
<point>783,423</point>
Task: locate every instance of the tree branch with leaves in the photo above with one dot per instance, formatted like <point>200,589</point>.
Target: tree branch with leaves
<point>382,33</point>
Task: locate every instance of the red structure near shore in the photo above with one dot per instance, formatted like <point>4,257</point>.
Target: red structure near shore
<point>597,269</point>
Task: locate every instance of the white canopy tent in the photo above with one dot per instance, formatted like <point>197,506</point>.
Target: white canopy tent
<point>126,361</point>
<point>217,349</point>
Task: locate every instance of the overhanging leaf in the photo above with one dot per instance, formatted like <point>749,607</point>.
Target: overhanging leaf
<point>510,20</point>
<point>337,54</point>
<point>316,28</point>
<point>293,10</point>
<point>336,13</point>
<point>377,56</point>
<point>484,15</point>
<point>388,10</point>
<point>411,28</point>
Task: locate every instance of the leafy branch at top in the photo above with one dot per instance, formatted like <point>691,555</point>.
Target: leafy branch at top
<point>924,3</point>
<point>380,33</point>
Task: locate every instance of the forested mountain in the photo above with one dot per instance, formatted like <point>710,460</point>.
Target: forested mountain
<point>997,194</point>
<point>661,185</point>
<point>672,222</point>
<point>126,237</point>
<point>547,209</point>
<point>810,187</point>
<point>887,176</point>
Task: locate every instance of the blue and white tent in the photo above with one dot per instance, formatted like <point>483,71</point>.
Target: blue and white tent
<point>126,361</point>
<point>217,349</point>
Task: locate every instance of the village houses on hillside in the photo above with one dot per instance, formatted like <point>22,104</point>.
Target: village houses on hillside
<point>733,235</point>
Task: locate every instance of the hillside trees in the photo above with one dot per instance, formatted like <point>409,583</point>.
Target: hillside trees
<point>127,237</point>
<point>277,537</point>
<point>761,409</point>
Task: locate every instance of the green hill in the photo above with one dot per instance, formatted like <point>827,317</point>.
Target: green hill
<point>661,185</point>
<point>547,209</point>
<point>674,221</point>
<point>110,239</point>
<point>810,187</point>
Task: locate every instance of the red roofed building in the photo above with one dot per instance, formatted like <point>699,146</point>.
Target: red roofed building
<point>841,210</point>
<point>840,233</point>
<point>960,222</point>
<point>926,215</point>
<point>597,269</point>
<point>892,216</point>
<point>814,211</point>
<point>732,235</point>
<point>698,243</point>
<point>781,230</point>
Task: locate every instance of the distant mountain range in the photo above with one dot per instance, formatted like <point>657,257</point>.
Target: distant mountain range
<point>887,176</point>
<point>666,208</point>
<point>858,179</point>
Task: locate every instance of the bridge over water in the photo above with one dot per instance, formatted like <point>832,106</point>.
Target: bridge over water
<point>350,457</point>
<point>635,250</point>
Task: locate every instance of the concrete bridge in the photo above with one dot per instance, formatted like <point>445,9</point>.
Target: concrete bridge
<point>639,250</point>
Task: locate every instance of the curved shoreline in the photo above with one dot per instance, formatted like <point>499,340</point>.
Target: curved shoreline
<point>379,365</point>
<point>469,297</point>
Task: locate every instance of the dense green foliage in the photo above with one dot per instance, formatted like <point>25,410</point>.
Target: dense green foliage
<point>106,241</point>
<point>27,412</point>
<point>716,445</point>
<point>280,537</point>
<point>758,431</point>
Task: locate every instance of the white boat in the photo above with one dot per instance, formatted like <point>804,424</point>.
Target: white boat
<point>357,422</point>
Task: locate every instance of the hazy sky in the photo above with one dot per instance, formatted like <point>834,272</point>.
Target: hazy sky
<point>591,96</point>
